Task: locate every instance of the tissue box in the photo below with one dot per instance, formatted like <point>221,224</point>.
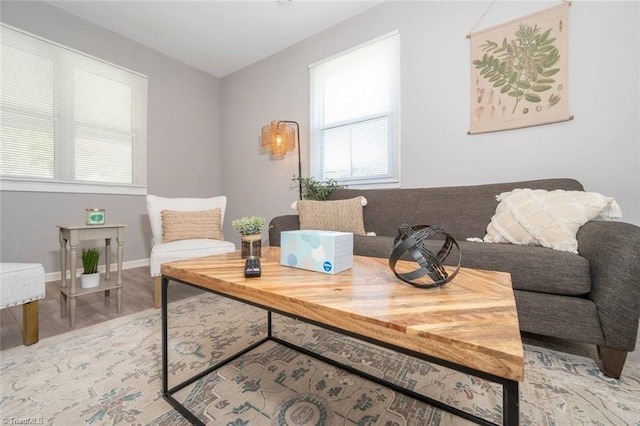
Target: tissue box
<point>321,251</point>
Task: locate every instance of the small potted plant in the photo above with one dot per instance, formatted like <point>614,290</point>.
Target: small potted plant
<point>250,230</point>
<point>90,277</point>
<point>313,189</point>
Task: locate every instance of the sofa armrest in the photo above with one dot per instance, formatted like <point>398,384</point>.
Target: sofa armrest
<point>613,251</point>
<point>278,224</point>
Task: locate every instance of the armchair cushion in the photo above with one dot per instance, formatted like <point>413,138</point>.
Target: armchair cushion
<point>185,249</point>
<point>156,204</point>
<point>181,249</point>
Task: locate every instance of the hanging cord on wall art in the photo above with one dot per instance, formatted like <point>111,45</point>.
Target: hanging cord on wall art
<point>490,6</point>
<point>480,19</point>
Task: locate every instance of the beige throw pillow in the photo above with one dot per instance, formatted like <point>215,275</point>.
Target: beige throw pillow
<point>332,215</point>
<point>546,218</point>
<point>178,225</point>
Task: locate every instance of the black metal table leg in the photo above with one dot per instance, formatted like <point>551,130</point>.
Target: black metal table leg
<point>511,404</point>
<point>165,360</point>
<point>510,396</point>
<point>166,394</point>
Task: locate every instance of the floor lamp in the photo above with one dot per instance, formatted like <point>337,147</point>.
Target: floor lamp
<point>278,138</point>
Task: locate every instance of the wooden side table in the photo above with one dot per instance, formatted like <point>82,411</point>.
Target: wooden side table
<point>73,235</point>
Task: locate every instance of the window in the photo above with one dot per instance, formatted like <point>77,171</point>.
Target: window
<point>70,122</point>
<point>355,115</point>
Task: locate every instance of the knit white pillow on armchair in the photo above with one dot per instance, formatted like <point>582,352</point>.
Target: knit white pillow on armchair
<point>546,218</point>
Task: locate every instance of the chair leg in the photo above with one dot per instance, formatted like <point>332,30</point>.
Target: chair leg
<point>612,361</point>
<point>157,292</point>
<point>30,323</point>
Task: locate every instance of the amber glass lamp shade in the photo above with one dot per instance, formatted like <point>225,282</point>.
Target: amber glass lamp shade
<point>278,138</point>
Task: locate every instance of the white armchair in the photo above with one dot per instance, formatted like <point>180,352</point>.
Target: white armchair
<point>188,240</point>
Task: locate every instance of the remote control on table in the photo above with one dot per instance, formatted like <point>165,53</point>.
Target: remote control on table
<point>252,267</point>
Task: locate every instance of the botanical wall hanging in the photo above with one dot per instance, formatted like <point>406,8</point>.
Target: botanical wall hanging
<point>519,72</point>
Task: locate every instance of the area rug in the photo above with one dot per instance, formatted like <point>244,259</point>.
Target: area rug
<point>109,374</point>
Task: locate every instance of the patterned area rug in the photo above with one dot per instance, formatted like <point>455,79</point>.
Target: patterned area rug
<point>110,374</point>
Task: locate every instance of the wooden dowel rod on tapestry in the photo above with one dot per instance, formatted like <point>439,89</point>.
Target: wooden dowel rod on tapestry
<point>523,127</point>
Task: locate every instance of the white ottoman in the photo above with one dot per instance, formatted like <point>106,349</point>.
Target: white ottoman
<point>23,284</point>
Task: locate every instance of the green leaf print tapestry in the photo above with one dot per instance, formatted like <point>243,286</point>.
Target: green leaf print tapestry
<point>519,72</point>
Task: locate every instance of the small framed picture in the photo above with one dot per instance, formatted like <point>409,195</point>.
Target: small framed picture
<point>95,216</point>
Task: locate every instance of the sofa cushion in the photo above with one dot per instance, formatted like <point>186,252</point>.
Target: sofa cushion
<point>546,218</point>
<point>532,268</point>
<point>463,211</point>
<point>338,215</point>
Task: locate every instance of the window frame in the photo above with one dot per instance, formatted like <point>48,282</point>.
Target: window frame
<point>64,136</point>
<point>391,179</point>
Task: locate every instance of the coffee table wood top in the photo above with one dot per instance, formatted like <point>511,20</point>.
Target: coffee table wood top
<point>472,321</point>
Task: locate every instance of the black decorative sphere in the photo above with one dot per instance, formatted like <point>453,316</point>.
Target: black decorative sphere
<point>411,240</point>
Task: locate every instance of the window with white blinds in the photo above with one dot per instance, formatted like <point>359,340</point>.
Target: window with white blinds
<point>355,115</point>
<point>69,122</point>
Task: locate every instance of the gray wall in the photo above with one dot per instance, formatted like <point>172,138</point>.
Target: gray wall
<point>183,142</point>
<point>196,120</point>
<point>600,147</point>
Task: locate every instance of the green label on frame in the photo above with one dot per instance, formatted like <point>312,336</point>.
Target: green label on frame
<point>95,217</point>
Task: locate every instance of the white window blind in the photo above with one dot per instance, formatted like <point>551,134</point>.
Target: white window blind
<point>355,114</point>
<point>70,122</point>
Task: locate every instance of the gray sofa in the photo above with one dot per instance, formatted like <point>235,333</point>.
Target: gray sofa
<point>592,297</point>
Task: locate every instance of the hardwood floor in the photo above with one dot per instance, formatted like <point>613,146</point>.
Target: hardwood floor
<point>137,296</point>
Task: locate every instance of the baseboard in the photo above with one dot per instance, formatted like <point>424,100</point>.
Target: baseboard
<point>55,276</point>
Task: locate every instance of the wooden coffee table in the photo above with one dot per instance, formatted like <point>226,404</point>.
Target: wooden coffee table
<point>469,325</point>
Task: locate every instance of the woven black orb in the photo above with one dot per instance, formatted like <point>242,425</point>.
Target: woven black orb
<point>411,239</point>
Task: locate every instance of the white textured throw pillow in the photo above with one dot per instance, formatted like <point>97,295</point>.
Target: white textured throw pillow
<point>546,218</point>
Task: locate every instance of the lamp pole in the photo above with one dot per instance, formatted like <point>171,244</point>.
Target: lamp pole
<point>299,156</point>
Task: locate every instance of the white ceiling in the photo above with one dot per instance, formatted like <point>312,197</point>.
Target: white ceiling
<point>218,37</point>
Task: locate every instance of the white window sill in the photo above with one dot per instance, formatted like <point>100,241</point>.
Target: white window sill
<point>380,184</point>
<point>81,188</point>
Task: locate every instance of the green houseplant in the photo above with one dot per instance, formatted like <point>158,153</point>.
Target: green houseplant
<point>250,230</point>
<point>313,189</point>
<point>90,276</point>
<point>253,225</point>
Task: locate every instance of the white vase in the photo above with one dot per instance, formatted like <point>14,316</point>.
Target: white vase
<point>90,280</point>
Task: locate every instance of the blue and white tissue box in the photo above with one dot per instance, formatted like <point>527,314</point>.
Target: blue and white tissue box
<point>329,252</point>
